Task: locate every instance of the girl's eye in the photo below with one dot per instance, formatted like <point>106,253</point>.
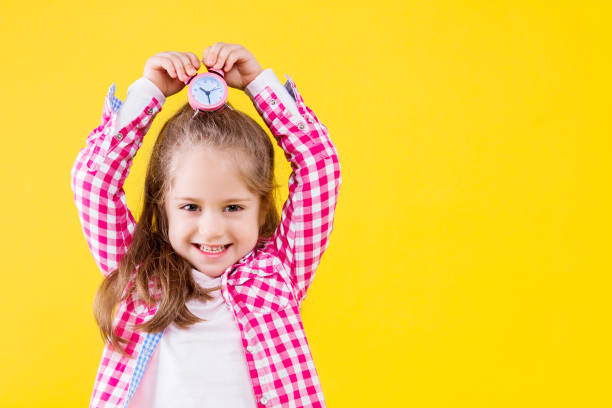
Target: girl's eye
<point>230,208</point>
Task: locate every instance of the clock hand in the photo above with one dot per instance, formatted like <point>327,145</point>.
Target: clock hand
<point>207,92</point>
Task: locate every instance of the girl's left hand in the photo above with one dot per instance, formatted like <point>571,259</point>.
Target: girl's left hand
<point>239,65</point>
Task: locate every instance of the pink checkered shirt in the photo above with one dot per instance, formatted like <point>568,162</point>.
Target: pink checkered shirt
<point>265,288</point>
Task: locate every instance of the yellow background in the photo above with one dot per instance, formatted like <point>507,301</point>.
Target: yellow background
<point>467,264</point>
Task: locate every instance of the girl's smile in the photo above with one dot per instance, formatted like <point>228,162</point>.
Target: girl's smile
<point>212,251</point>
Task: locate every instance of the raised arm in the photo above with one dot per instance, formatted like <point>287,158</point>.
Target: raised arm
<point>101,167</point>
<point>308,214</point>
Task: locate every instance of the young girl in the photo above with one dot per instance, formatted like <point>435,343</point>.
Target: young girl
<point>200,305</point>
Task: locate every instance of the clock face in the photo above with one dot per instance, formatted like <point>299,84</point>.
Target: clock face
<point>208,90</point>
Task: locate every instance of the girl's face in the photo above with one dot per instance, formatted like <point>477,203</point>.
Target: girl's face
<point>213,219</point>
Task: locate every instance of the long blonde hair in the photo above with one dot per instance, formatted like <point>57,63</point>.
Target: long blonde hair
<point>150,259</point>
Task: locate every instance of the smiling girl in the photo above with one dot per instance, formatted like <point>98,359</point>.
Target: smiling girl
<point>200,302</point>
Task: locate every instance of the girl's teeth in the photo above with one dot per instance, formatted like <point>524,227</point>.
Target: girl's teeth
<point>209,249</point>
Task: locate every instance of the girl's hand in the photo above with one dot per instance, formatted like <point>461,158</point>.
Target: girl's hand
<point>239,65</point>
<point>170,70</point>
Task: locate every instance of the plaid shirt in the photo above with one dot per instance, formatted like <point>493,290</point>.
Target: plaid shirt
<point>265,288</point>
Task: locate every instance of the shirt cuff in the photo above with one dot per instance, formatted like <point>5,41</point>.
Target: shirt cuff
<point>139,95</point>
<point>268,78</point>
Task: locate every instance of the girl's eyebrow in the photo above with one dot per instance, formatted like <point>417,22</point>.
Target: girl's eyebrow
<point>226,201</point>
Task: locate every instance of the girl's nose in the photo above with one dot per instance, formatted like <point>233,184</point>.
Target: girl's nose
<point>211,226</point>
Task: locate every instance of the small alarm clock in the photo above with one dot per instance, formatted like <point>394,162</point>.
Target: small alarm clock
<point>207,91</point>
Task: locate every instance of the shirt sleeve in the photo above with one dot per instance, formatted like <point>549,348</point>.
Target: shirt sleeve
<point>101,167</point>
<point>308,213</point>
<point>268,78</point>
<point>139,95</point>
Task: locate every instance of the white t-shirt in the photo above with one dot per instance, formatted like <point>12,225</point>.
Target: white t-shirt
<point>202,366</point>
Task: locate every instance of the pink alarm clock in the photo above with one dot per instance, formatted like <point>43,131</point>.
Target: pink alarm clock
<point>207,91</point>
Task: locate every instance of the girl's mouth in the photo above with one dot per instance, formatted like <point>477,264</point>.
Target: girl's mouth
<point>212,252</point>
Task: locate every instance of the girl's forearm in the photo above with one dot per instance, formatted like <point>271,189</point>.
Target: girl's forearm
<point>97,178</point>
<point>307,215</point>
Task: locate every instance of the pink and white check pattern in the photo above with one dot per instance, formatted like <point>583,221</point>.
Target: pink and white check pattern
<point>265,288</point>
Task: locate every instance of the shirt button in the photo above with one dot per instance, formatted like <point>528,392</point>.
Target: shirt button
<point>273,102</point>
<point>149,111</point>
<point>301,126</point>
<point>118,136</point>
<point>263,400</point>
<point>309,119</point>
<point>250,349</point>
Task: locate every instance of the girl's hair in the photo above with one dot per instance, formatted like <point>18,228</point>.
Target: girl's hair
<point>150,261</point>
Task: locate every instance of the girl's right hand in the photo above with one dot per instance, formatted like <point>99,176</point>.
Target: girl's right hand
<point>171,70</point>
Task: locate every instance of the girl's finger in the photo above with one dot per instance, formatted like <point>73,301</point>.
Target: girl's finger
<point>214,52</point>
<point>206,55</point>
<point>194,60</point>
<point>223,53</point>
<point>231,59</point>
<point>167,64</point>
<point>186,59</point>
<point>182,63</point>
<point>178,68</point>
